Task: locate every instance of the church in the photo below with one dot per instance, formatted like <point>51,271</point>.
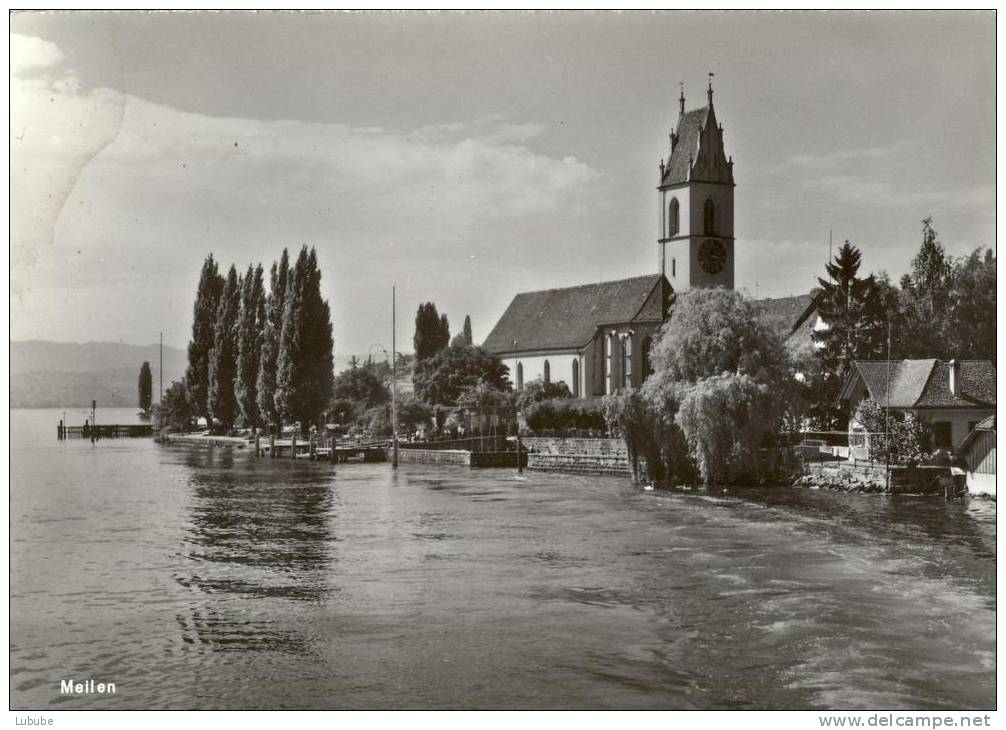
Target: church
<point>597,337</point>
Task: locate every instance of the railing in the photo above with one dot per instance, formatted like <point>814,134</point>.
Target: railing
<point>108,431</point>
<point>475,444</point>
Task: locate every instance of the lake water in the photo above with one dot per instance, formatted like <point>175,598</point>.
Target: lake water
<point>201,578</point>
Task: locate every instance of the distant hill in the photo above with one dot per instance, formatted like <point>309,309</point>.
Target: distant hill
<point>65,374</point>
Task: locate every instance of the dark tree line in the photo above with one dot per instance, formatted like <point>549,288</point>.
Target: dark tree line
<point>257,358</point>
<point>943,308</point>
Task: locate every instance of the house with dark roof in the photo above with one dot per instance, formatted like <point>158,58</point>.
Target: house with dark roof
<point>951,397</point>
<point>978,452</point>
<point>595,338</point>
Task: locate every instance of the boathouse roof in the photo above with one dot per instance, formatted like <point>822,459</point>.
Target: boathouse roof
<point>924,383</point>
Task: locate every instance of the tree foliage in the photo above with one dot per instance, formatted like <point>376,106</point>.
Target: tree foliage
<point>273,328</point>
<point>362,387</point>
<point>432,331</point>
<point>440,379</point>
<point>538,390</point>
<point>204,321</point>
<point>304,363</point>
<point>946,305</point>
<point>145,387</point>
<point>411,414</point>
<point>718,390</point>
<point>175,411</point>
<point>562,415</point>
<point>223,355</point>
<point>251,326</point>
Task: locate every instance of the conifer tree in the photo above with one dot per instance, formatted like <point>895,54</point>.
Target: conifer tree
<point>223,357</point>
<point>856,315</point>
<point>266,391</point>
<point>204,319</point>
<point>250,331</point>
<point>145,386</point>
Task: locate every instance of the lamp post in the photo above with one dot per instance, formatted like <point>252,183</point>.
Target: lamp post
<point>516,364</point>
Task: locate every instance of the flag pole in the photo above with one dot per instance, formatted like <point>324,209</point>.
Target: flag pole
<point>394,388</point>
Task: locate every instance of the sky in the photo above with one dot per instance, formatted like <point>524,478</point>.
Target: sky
<point>465,157</point>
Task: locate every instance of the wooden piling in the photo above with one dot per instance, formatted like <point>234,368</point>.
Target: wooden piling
<point>310,449</point>
<point>293,447</point>
<point>272,446</point>
<point>258,446</point>
<point>331,450</point>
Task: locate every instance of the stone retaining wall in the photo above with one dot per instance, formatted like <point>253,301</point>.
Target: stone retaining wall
<point>456,457</point>
<point>578,455</point>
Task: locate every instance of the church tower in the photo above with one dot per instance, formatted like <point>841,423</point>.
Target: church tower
<point>697,202</point>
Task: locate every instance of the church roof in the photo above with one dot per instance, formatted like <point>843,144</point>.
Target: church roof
<point>687,147</point>
<point>789,316</point>
<point>560,319</point>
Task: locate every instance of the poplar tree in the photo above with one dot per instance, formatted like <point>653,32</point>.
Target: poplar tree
<point>305,365</point>
<point>145,386</point>
<point>204,319</point>
<point>266,391</point>
<point>250,331</point>
<point>223,357</point>
<point>467,331</point>
<point>432,331</point>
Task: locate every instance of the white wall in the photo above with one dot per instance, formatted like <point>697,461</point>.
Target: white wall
<point>560,367</point>
<point>982,483</point>
<point>958,419</point>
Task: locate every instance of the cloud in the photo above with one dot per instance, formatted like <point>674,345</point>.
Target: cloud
<point>30,53</point>
<point>117,200</point>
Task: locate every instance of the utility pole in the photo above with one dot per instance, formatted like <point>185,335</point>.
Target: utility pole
<point>887,413</point>
<point>516,413</point>
<point>160,396</point>
<point>394,388</point>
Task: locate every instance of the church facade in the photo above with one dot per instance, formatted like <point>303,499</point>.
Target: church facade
<point>596,338</point>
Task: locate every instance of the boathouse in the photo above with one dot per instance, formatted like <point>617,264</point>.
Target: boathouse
<point>978,452</point>
<point>951,397</point>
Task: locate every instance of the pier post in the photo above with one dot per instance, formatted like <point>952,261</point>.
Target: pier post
<point>258,446</point>
<point>59,431</point>
<point>272,446</point>
<point>331,450</point>
<point>293,447</point>
<point>310,449</point>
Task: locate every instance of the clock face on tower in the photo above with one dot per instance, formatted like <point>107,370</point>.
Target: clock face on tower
<point>712,256</point>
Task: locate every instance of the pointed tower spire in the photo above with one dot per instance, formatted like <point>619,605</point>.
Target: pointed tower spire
<point>709,92</point>
<point>681,99</point>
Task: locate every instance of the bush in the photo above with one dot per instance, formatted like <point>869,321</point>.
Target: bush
<point>909,437</point>
<point>563,414</point>
<point>538,390</point>
<point>175,411</point>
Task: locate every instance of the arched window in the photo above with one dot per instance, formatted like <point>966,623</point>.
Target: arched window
<point>627,361</point>
<point>576,378</point>
<point>647,365</point>
<point>709,218</point>
<point>548,373</point>
<point>608,347</point>
<point>672,218</point>
<point>520,376</point>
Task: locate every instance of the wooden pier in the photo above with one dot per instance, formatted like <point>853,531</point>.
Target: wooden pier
<point>318,449</point>
<point>104,431</point>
